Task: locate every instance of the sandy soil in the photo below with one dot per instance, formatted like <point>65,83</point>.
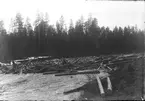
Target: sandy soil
<point>39,87</point>
<point>49,87</point>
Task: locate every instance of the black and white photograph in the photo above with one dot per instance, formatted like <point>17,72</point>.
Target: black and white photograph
<point>72,50</point>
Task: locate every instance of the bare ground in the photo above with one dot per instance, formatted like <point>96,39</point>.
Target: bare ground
<point>78,87</point>
<point>38,87</point>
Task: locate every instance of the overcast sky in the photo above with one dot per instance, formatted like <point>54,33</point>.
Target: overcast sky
<point>108,13</point>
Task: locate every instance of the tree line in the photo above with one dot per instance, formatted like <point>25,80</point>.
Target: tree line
<point>81,38</point>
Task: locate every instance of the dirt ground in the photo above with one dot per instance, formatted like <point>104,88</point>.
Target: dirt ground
<point>38,87</point>
<point>50,87</point>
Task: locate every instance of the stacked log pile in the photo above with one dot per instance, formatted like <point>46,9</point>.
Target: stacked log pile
<point>47,64</point>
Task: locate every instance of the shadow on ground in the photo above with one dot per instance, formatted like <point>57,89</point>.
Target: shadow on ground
<point>126,86</point>
<point>90,91</point>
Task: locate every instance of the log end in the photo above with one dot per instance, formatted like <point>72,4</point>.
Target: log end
<point>102,94</point>
<point>109,92</point>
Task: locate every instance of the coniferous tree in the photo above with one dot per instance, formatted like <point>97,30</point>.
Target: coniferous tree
<point>83,38</point>
<point>2,29</point>
<point>28,28</point>
<point>18,25</point>
<point>60,28</point>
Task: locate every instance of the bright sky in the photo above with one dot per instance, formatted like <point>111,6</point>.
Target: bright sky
<point>108,13</point>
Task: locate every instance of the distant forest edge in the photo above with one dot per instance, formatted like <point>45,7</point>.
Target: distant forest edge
<point>83,38</point>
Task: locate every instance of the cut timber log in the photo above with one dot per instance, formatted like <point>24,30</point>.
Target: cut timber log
<point>120,62</point>
<point>109,88</point>
<point>100,86</point>
<point>78,72</point>
<point>51,72</point>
